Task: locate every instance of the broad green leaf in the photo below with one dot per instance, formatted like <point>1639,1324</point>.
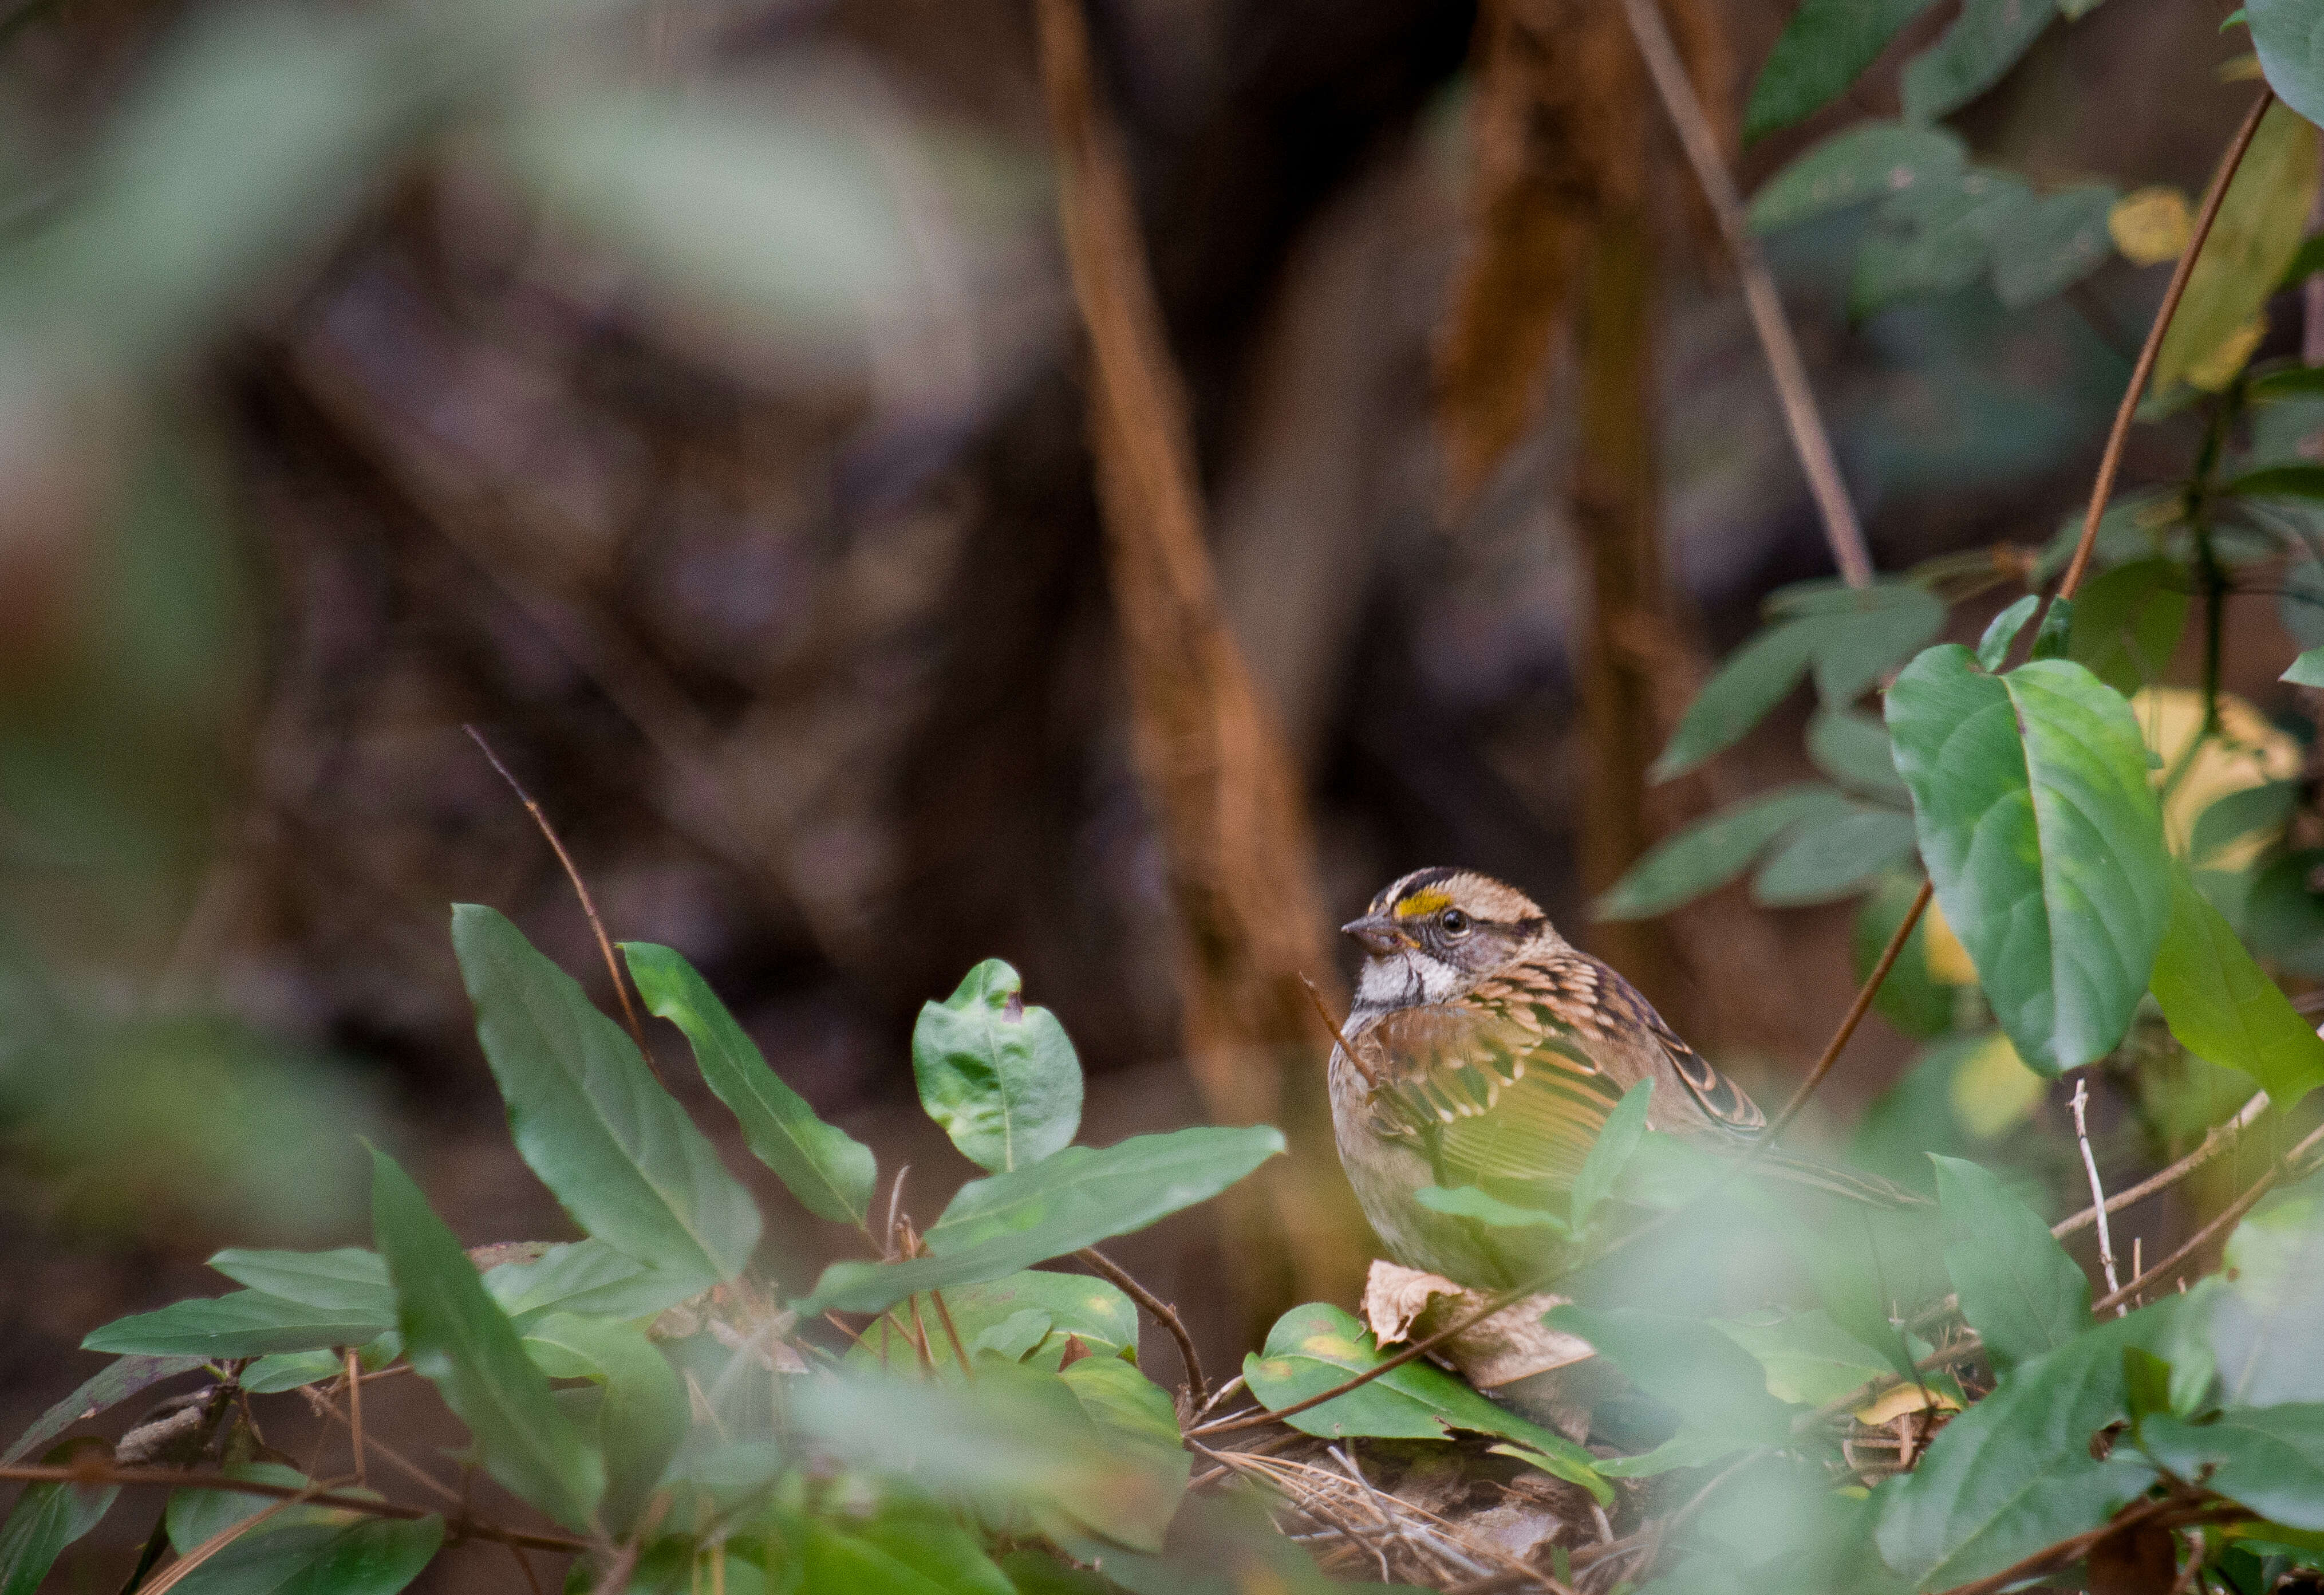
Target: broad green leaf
<point>1861,632</point>
<point>999,1077</point>
<point>2014,1473</point>
<point>1973,54</point>
<point>2051,245</point>
<point>2019,1290</point>
<point>2275,381</point>
<point>2266,1326</point>
<point>194,1516</point>
<point>1852,748</point>
<point>1808,1360</point>
<point>1754,679</point>
<point>1314,1348</point>
<point>1717,1389</point>
<point>2258,231</point>
<point>47,1517</point>
<point>1467,1202</point>
<point>2307,670</point>
<point>2045,844</point>
<point>2279,481</point>
<point>620,1153</point>
<point>643,1416</point>
<point>2290,53</point>
<point>290,1370</point>
<point>2002,630</point>
<point>586,1276</point>
<point>1934,238</point>
<point>349,1281</point>
<point>1868,162</point>
<point>2223,1007</point>
<point>457,1337</point>
<point>2258,811</point>
<point>2126,623</point>
<point>829,1171</point>
<point>351,1555</point>
<point>1077,1198</point>
<point>110,1384</point>
<point>2283,915</point>
<point>1610,1152</point>
<point>1043,1307</point>
<point>2270,1460</point>
<point>244,1323</point>
<point>1825,861</point>
<point>1715,850</point>
<point>1821,52</point>
<point>925,1553</point>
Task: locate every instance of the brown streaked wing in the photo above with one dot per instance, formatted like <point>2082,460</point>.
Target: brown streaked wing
<point>1624,1009</point>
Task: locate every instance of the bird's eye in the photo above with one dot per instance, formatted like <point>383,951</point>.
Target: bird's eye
<point>1455,922</point>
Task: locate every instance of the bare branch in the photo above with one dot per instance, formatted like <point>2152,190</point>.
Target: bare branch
<point>2217,1140</point>
<point>1198,1389</point>
<point>2098,1192</point>
<point>2211,1231</point>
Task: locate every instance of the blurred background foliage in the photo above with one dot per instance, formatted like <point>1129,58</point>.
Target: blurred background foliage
<point>690,396</point>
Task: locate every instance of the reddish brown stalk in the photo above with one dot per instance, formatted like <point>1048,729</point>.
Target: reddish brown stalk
<point>1856,1012</point>
<point>1197,1388</point>
<point>354,1412</point>
<point>959,1352</point>
<point>1323,1012</point>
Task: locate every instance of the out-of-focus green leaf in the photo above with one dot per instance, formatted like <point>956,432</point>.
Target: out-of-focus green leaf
<point>1973,54</point>
<point>2002,630</point>
<point>1756,677</point>
<point>1807,1357</point>
<point>2014,1473</point>
<point>1077,1198</point>
<point>110,1384</point>
<point>2279,481</point>
<point>1868,162</point>
<point>1934,238</point>
<point>1025,1316</point>
<point>1467,1202</point>
<point>1821,52</point>
<point>2222,1006</point>
<point>2283,915</point>
<point>829,1171</point>
<point>354,1556</point>
<point>1717,1389</point>
<point>1861,632</point>
<point>2290,53</point>
<point>2258,229</point>
<point>2267,1325</point>
<point>1715,850</point>
<point>2049,245</point>
<point>457,1337</point>
<point>1913,998</point>
<point>1852,748</point>
<point>244,1323</point>
<point>194,1516</point>
<point>1314,1348</point>
<point>643,1418</point>
<point>586,1276</point>
<point>47,1517</point>
<point>1610,1152</point>
<point>906,1546</point>
<point>2307,670</point>
<point>2019,1290</point>
<point>2126,623</point>
<point>2270,1460</point>
<point>348,1280</point>
<point>2043,836</point>
<point>999,1077</point>
<point>290,1370</point>
<point>1831,860</point>
<point>588,1116</point>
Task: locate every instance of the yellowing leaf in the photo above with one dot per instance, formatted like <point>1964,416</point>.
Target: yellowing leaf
<point>2151,226</point>
<point>2247,752</point>
<point>1948,961</point>
<point>2241,68</point>
<point>1903,1399</point>
<point>2215,370</point>
<point>2258,229</point>
<point>1992,1090</point>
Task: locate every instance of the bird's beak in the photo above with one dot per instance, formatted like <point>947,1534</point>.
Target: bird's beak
<point>1379,932</point>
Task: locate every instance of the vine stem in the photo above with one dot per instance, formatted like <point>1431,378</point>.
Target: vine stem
<point>2098,1192</point>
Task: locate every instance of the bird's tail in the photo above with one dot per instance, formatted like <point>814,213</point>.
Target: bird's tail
<point>1852,1183</point>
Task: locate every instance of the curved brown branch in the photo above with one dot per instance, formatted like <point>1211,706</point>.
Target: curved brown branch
<point>2218,1139</point>
<point>2212,1230</point>
<point>1198,1388</point>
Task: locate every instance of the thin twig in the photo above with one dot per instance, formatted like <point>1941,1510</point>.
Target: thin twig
<point>1323,1012</point>
<point>1810,441</point>
<point>1198,1389</point>
<point>2218,1139</point>
<point>2110,461</point>
<point>2098,1192</point>
<point>178,1570</point>
<point>1219,1397</point>
<point>532,1578</point>
<point>1856,1012</point>
<point>402,1464</point>
<point>2211,1231</point>
<point>580,888</point>
<point>355,1411</point>
<point>617,1573</point>
<point>959,1352</point>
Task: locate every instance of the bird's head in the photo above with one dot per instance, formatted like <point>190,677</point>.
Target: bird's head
<point>1437,932</point>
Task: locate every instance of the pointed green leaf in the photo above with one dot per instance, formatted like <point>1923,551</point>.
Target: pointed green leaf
<point>1821,52</point>
<point>1467,1202</point>
<point>2258,231</point>
<point>2126,623</point>
<point>2002,630</point>
<point>586,1276</point>
<point>1973,54</point>
<point>829,1171</point>
<point>2270,1460</point>
<point>1866,162</point>
<point>349,1555</point>
<point>1807,1357</point>
<point>1715,850</point>
<point>47,1517</point>
<point>244,1323</point>
<point>348,1280</point>
<point>2223,1007</point>
<point>1025,1315</point>
<point>1934,238</point>
<point>457,1337</point>
<point>1754,679</point>
<point>110,1384</point>
<point>2291,50</point>
<point>643,1415</point>
<point>1610,1152</point>
<point>620,1153</point>
<point>1841,855</point>
<point>2307,670</point>
<point>1852,748</point>
<point>999,1077</point>
<point>2019,1290</point>
<point>2051,245</point>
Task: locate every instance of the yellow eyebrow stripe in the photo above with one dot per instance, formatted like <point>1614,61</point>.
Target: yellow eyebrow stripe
<point>1420,903</point>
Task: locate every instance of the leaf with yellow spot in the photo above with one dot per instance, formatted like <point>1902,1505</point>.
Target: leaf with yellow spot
<point>2151,226</point>
<point>1992,1091</point>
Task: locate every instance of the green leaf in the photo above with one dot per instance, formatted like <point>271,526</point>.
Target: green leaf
<point>349,1280</point>
<point>194,1516</point>
<point>922,1542</point>
<point>1852,748</point>
<point>351,1555</point>
<point>1032,1311</point>
<point>1715,850</point>
<point>620,1153</point>
<point>1717,1389</point>
<point>1807,1357</point>
<point>1869,160</point>
<point>2256,232</point>
<point>110,1384</point>
<point>2223,1007</point>
<point>2045,845</point>
<point>465,1345</point>
<point>2050,639</point>
<point>1754,679</point>
<point>2307,670</point>
<point>2283,916</point>
<point>830,1172</point>
<point>2014,1473</point>
<point>586,1276</point>
<point>2126,623</point>
<point>2275,381</point>
<point>999,1077</point>
<point>1821,52</point>
<point>2290,53</point>
<point>1913,998</point>
<point>1314,1348</point>
<point>2279,481</point>
<point>2019,1290</point>
<point>47,1517</point>
<point>292,1370</point>
<point>1467,1202</point>
<point>2266,1326</point>
<point>2271,1459</point>
<point>245,1323</point>
<point>1610,1152</point>
<point>1934,238</point>
<point>2262,810</point>
<point>1077,1198</point>
<point>2002,630</point>
<point>2051,245</point>
<point>1861,633</point>
<point>1973,54</point>
<point>1835,859</point>
<point>643,1416</point>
